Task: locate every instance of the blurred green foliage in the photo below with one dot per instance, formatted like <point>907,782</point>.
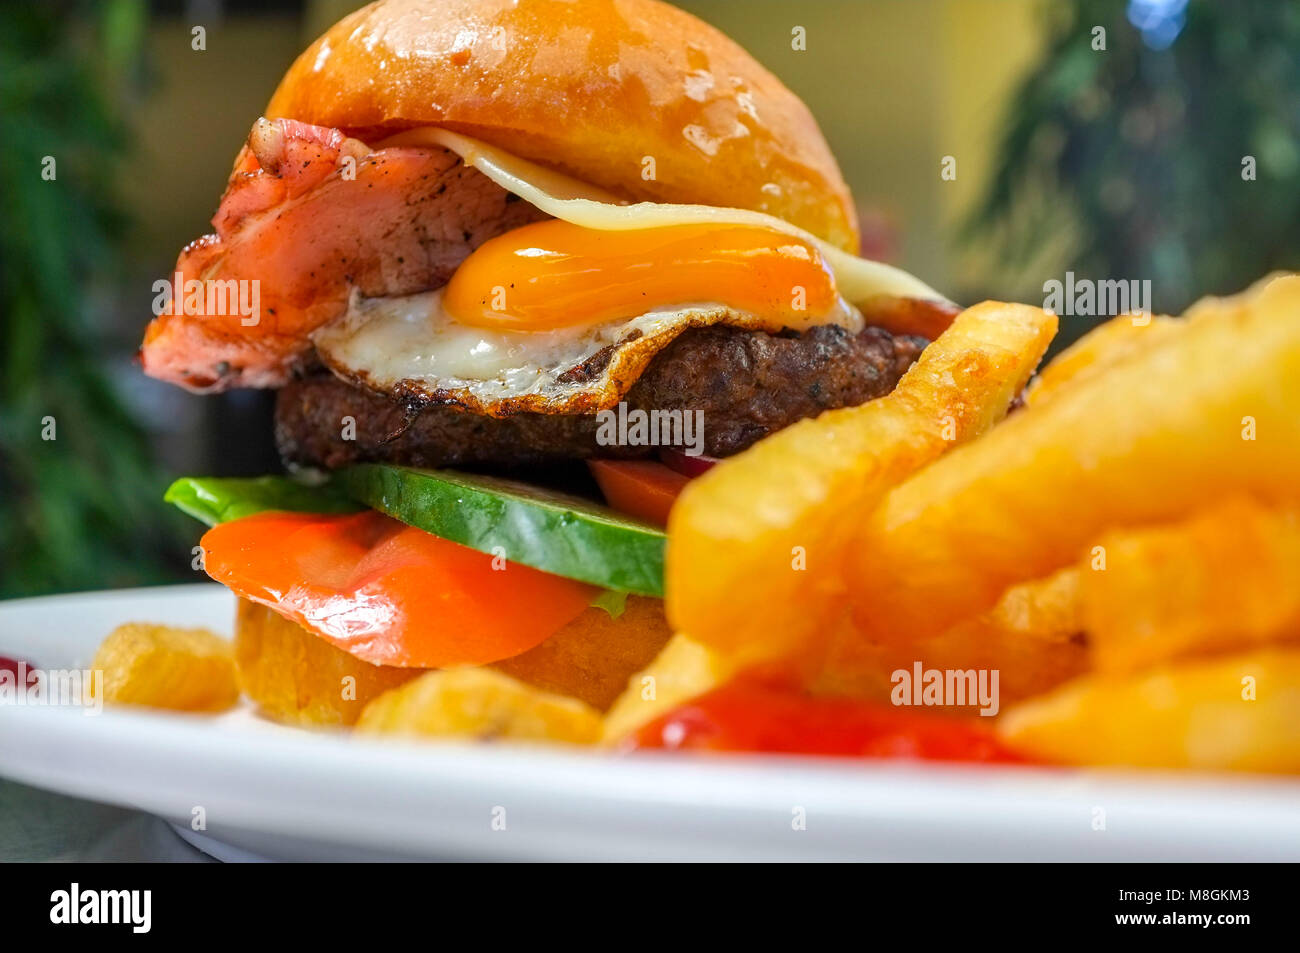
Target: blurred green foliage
<point>1116,163</point>
<point>1130,159</point>
<point>81,511</point>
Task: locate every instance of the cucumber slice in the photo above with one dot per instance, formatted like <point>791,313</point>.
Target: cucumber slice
<point>554,532</point>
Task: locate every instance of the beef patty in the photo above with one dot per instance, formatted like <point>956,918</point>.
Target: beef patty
<point>747,384</point>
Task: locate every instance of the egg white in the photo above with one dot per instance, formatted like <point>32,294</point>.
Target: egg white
<point>411,347</point>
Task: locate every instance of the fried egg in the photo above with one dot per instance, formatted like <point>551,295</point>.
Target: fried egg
<point>564,315</point>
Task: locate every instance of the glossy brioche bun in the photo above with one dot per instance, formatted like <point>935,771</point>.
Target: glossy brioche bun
<point>590,87</point>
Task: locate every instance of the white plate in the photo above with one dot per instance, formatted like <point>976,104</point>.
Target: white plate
<point>272,791</point>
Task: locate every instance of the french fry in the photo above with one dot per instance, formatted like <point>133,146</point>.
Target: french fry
<point>1032,638</point>
<point>685,669</point>
<point>1228,578</point>
<point>1099,350</point>
<point>160,666</point>
<point>1216,304</point>
<point>479,703</point>
<point>1214,411</point>
<point>1231,714</point>
<point>755,544</point>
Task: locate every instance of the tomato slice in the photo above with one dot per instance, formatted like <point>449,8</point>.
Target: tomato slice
<point>389,593</point>
<point>641,488</point>
<point>745,716</point>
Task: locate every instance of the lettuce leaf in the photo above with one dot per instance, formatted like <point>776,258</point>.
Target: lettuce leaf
<point>214,500</point>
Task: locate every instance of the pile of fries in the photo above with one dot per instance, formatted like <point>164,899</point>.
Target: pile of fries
<point>1123,549</point>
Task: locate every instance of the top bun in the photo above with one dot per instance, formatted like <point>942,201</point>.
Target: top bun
<point>594,88</point>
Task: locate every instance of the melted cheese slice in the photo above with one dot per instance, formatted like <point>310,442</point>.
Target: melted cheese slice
<point>564,197</point>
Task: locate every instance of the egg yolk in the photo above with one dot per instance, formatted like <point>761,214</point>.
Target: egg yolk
<point>554,274</point>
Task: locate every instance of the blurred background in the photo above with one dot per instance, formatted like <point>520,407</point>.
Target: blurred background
<point>1136,139</point>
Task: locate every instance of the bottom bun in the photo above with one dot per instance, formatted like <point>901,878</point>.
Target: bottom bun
<point>295,677</point>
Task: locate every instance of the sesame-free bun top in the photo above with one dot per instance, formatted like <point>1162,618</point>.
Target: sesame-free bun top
<point>635,96</point>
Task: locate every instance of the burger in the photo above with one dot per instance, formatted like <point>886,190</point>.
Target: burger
<point>518,271</point>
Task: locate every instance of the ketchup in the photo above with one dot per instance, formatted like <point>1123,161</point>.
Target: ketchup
<point>743,716</point>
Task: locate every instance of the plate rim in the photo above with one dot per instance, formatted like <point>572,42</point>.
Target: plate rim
<point>701,807</point>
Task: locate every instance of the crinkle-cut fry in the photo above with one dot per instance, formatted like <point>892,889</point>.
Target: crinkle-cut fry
<point>755,545</point>
<point>1226,579</point>
<point>1032,638</point>
<point>1099,350</point>
<point>1240,713</point>
<point>482,704</point>
<point>685,669</point>
<point>1211,412</point>
<point>161,666</point>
